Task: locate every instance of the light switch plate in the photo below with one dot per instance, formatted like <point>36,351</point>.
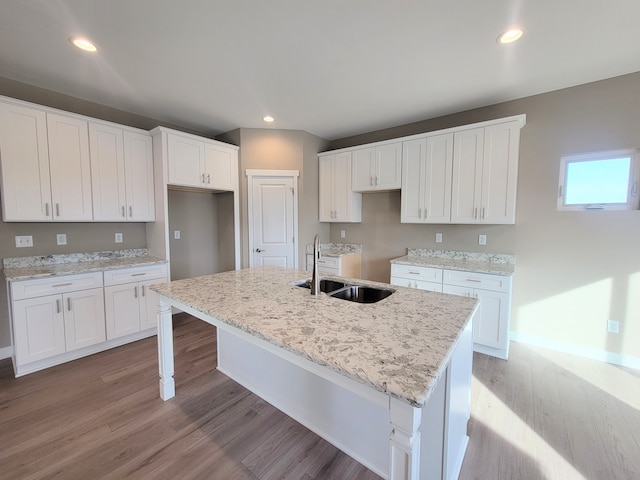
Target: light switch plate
<point>343,234</point>
<point>482,239</point>
<point>438,238</point>
<point>176,234</point>
<point>118,238</point>
<point>61,238</point>
<point>24,241</point>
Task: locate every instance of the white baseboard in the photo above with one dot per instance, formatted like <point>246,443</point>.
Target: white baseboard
<point>6,352</point>
<point>570,348</point>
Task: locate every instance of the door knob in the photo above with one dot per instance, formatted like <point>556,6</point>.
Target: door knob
<point>260,250</point>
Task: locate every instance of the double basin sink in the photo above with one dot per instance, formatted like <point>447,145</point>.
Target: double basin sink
<point>351,293</point>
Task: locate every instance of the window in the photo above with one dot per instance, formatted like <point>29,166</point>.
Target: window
<point>599,181</point>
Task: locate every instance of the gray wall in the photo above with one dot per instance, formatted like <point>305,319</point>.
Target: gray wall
<point>574,270</point>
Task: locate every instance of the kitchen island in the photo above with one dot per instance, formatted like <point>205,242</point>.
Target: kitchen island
<point>388,383</point>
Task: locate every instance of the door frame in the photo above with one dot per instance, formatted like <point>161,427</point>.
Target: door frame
<point>254,174</point>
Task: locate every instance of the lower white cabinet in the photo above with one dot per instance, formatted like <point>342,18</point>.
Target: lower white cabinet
<point>341,266</point>
<point>130,305</point>
<point>491,324</point>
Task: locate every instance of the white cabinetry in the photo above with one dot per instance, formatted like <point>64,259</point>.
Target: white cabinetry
<point>426,179</point>
<point>485,173</point>
<point>129,303</point>
<point>338,203</point>
<point>342,266</point>
<point>195,163</point>
<point>70,167</point>
<point>121,174</point>
<point>377,168</point>
<point>491,327</point>
<point>46,169</point>
<point>422,278</point>
<point>55,315</point>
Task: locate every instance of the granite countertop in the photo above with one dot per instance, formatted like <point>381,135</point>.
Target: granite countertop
<point>400,345</point>
<point>26,268</point>
<point>465,261</point>
<point>336,249</point>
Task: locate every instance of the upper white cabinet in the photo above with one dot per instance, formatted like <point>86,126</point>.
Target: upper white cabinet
<point>485,174</point>
<point>196,163</point>
<point>377,168</point>
<point>24,154</point>
<point>70,167</point>
<point>338,203</point>
<point>426,179</point>
<point>121,174</point>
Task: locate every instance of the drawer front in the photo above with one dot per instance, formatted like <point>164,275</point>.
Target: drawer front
<point>419,284</point>
<point>485,281</point>
<point>41,287</point>
<point>135,274</point>
<point>328,262</point>
<point>328,270</point>
<point>425,274</point>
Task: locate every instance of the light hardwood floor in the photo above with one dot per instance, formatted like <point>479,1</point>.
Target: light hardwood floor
<point>542,415</point>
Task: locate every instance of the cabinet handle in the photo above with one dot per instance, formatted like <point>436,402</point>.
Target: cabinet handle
<point>142,290</point>
<point>135,291</point>
<point>130,211</point>
<point>473,280</point>
<point>62,285</point>
<point>414,273</point>
<point>138,274</point>
<point>208,178</point>
<point>46,209</point>
<point>123,214</point>
<point>371,178</point>
<point>483,213</point>
<point>419,213</point>
<point>69,305</point>
<point>376,180</point>
<point>475,213</point>
<point>57,209</point>
<point>58,306</point>
<point>203,178</point>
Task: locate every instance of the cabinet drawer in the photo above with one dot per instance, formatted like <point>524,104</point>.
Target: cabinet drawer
<point>485,281</point>
<point>418,284</point>
<point>135,274</point>
<point>425,274</point>
<point>54,285</point>
<point>328,262</point>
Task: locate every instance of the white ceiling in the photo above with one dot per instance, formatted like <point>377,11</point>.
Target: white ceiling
<point>331,67</point>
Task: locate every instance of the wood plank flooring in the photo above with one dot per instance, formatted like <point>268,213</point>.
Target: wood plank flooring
<point>542,415</point>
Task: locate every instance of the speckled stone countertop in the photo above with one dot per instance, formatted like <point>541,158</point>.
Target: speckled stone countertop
<point>466,261</point>
<point>337,249</point>
<point>26,268</point>
<point>400,345</point>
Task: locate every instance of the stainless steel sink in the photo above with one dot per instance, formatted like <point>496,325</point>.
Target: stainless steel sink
<point>326,286</point>
<point>362,294</point>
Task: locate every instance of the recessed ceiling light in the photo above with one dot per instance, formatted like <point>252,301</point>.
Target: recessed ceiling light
<point>510,36</point>
<point>268,118</point>
<point>83,44</point>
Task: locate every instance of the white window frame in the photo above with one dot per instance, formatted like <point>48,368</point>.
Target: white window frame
<point>632,192</point>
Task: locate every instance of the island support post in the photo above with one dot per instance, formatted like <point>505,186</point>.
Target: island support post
<point>165,351</point>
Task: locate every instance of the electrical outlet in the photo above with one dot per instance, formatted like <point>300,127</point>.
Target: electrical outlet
<point>438,238</point>
<point>613,326</point>
<point>61,238</point>
<point>24,241</point>
<point>176,234</point>
<point>343,234</point>
<point>482,239</point>
<point>119,238</point>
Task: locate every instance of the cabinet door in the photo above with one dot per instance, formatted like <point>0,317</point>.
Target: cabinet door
<point>38,328</point>
<point>122,309</point>
<point>362,169</point>
<point>413,179</point>
<point>467,176</point>
<point>138,161</point>
<point>70,165</point>
<point>186,161</point>
<point>107,173</point>
<point>500,173</point>
<point>325,189</point>
<point>220,168</point>
<point>491,325</point>
<point>346,204</point>
<point>84,319</point>
<point>437,179</point>
<point>148,305</point>
<point>388,167</point>
<point>26,186</point>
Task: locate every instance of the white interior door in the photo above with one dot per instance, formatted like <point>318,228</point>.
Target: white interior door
<point>272,219</point>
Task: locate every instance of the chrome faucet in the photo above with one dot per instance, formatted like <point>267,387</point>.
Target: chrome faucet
<point>315,278</point>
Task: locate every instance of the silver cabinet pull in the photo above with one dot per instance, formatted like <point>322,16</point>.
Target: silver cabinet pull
<point>483,213</point>
<point>143,294</point>
<point>371,179</point>
<point>203,178</point>
<point>473,280</point>
<point>62,285</point>
<point>69,305</point>
<point>123,214</point>
<point>419,213</point>
<point>58,306</point>
<point>375,179</point>
<point>138,274</point>
<point>475,213</point>
<point>46,209</point>
<point>209,178</point>
<point>135,291</point>
<point>57,209</point>
<point>414,273</point>
<point>130,211</point>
